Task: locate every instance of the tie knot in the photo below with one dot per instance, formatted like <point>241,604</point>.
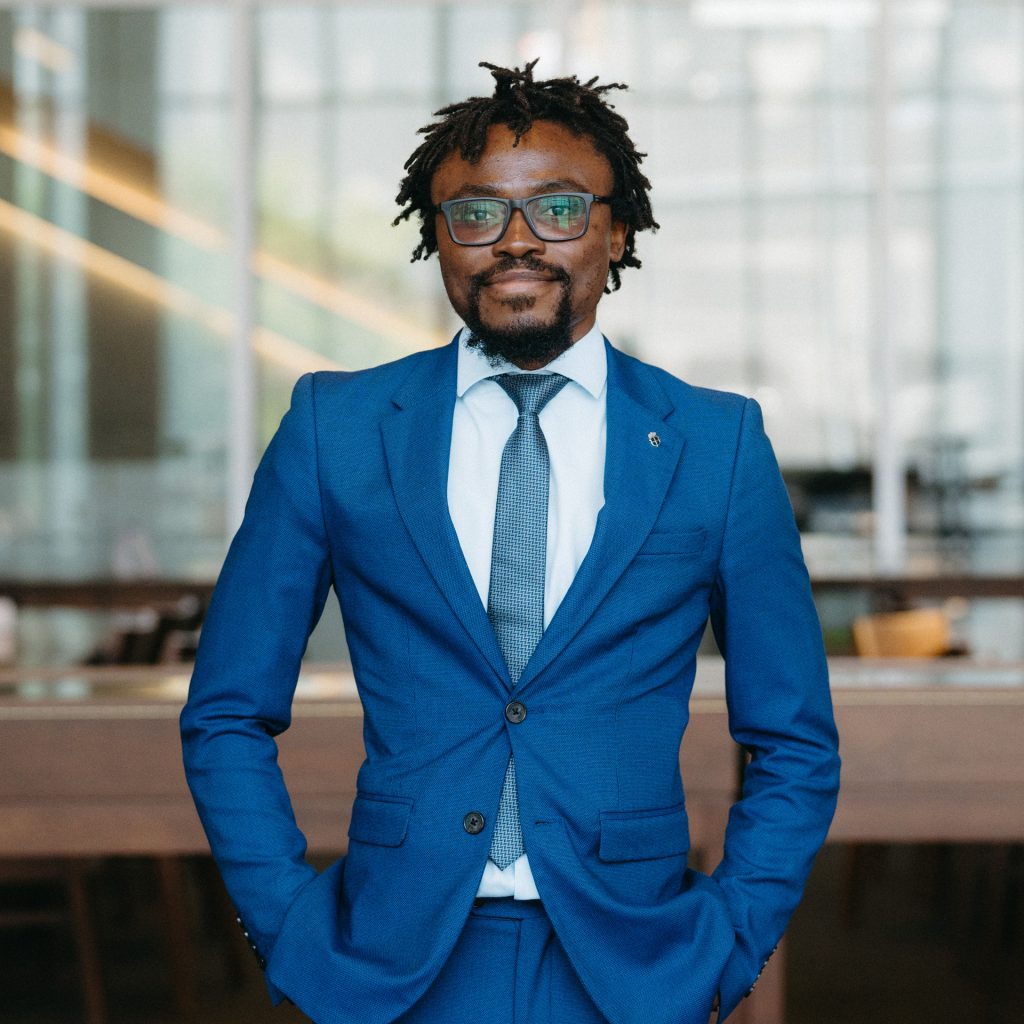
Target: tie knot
<point>531,391</point>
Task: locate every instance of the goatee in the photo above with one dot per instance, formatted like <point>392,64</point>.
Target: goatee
<point>527,341</point>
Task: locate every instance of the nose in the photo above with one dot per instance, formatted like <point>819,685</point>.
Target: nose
<point>518,239</point>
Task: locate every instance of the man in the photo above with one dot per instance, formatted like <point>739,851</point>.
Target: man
<point>527,532</point>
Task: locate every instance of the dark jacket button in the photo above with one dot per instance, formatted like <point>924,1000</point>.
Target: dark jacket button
<point>515,711</point>
<point>473,823</point>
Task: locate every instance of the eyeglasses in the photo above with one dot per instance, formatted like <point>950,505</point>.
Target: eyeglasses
<point>557,217</point>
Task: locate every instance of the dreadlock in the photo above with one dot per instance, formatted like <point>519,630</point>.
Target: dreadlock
<point>517,102</point>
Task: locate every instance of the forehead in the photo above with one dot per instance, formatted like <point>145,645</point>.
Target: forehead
<point>549,154</point>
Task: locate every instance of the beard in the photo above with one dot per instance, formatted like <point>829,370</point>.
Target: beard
<point>526,340</point>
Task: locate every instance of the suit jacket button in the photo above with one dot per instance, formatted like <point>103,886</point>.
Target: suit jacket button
<point>473,823</point>
<point>515,711</point>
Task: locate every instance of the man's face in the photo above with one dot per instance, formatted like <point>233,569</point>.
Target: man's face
<point>526,300</point>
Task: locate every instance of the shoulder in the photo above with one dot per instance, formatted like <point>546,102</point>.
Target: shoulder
<point>366,390</point>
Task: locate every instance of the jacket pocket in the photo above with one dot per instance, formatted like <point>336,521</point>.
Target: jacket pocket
<point>684,542</point>
<point>644,835</point>
<point>380,820</point>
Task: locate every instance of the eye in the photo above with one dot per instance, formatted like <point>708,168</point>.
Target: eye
<point>553,208</point>
<point>478,211</point>
<point>561,215</point>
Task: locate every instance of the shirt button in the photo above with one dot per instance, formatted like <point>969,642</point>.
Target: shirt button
<point>515,711</point>
<point>473,823</point>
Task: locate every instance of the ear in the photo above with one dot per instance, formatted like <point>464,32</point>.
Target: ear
<point>617,240</point>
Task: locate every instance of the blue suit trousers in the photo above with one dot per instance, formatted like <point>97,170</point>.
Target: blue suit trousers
<point>508,967</point>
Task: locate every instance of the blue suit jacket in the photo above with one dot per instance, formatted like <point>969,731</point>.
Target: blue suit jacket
<point>351,492</point>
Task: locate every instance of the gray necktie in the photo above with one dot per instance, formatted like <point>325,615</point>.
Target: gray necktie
<point>515,600</point>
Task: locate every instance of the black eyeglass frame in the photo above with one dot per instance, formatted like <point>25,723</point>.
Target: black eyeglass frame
<point>588,198</point>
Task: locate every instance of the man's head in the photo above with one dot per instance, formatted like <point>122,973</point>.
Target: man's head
<point>529,289</point>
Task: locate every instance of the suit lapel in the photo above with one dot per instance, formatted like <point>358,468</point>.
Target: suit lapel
<point>636,478</point>
<point>417,445</point>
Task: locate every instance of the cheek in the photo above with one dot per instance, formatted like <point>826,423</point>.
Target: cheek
<point>454,276</point>
<point>592,277</point>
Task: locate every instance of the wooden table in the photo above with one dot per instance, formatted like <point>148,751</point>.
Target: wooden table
<point>931,750</point>
<point>111,779</point>
<point>934,585</point>
<point>92,764</point>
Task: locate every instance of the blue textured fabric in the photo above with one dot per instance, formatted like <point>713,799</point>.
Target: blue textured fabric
<point>351,496</point>
<point>508,967</point>
<point>515,598</point>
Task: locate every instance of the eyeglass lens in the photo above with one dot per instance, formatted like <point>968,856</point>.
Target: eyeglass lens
<point>553,218</point>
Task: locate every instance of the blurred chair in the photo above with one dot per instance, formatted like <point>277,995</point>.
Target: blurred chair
<point>152,635</point>
<point>74,914</point>
<point>917,633</point>
<point>149,636</point>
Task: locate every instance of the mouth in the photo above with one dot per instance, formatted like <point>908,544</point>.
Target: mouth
<point>518,280</point>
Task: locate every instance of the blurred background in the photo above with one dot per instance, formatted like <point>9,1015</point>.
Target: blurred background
<point>195,208</point>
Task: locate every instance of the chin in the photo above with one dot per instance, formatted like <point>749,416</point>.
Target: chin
<point>519,324</point>
<point>524,341</point>
<point>500,309</point>
<point>513,330</point>
<point>521,314</point>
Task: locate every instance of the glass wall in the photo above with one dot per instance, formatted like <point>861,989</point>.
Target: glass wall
<point>115,307</point>
<point>801,153</point>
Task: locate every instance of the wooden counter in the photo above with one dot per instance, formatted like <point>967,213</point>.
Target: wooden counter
<point>931,751</point>
<point>92,763</point>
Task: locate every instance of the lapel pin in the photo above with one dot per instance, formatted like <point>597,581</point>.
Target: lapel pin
<point>654,439</point>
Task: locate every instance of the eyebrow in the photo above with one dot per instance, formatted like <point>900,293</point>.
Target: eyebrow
<point>473,191</point>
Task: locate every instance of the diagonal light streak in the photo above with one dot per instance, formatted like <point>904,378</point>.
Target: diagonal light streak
<point>114,191</point>
<point>64,245</point>
<point>109,189</point>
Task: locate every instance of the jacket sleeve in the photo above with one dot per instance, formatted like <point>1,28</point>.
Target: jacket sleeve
<point>269,596</point>
<point>780,710</point>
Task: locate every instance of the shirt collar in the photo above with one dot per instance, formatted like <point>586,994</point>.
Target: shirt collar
<point>584,362</point>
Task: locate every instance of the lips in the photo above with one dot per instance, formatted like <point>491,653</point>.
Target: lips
<point>514,277</point>
<point>511,278</point>
<point>519,283</point>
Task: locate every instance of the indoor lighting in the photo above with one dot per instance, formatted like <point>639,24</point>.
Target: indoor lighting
<point>33,44</point>
<point>820,13</point>
<point>108,189</point>
<point>784,13</point>
<point>150,209</point>
<point>272,347</point>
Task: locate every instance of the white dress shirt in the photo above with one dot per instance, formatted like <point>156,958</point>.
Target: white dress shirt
<point>574,423</point>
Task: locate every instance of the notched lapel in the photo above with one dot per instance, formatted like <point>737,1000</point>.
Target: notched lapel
<point>417,444</point>
<point>638,471</point>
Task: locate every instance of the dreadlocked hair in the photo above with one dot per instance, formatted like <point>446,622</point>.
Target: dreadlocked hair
<point>518,102</point>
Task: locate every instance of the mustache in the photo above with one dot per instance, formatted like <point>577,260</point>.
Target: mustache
<point>512,263</point>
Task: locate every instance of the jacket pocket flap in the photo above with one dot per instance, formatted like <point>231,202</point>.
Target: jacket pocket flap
<point>679,542</point>
<point>644,835</point>
<point>379,820</point>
